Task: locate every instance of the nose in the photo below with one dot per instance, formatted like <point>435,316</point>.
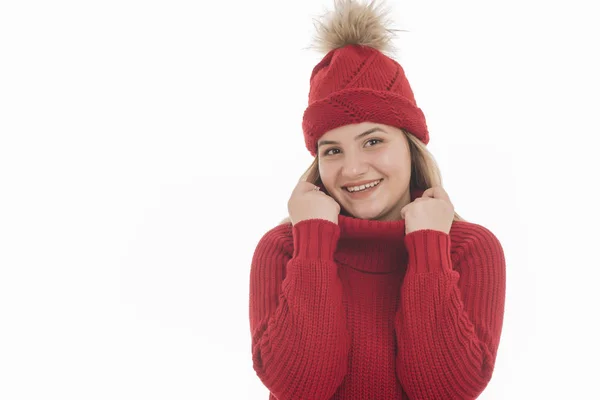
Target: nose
<point>354,166</point>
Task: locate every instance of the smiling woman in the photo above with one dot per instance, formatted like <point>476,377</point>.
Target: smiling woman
<point>374,287</point>
<point>424,171</point>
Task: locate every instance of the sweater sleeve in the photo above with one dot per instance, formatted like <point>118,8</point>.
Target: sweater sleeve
<point>300,341</point>
<point>449,321</point>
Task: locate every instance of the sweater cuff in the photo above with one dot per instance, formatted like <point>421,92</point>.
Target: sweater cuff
<point>428,251</point>
<point>315,239</point>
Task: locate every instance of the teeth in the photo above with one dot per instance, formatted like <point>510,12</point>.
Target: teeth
<point>362,187</point>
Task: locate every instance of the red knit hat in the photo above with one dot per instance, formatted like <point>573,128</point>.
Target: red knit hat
<point>356,82</point>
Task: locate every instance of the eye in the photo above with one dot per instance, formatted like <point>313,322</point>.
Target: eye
<point>374,140</point>
<point>328,151</point>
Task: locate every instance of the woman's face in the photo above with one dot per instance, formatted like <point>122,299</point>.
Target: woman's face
<point>363,153</point>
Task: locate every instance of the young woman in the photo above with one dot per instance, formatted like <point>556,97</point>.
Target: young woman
<point>374,287</point>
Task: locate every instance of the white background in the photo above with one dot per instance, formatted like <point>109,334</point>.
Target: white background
<point>146,146</point>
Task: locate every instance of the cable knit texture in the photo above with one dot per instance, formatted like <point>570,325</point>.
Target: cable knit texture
<point>359,310</point>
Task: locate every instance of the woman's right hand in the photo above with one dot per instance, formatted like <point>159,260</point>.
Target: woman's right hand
<point>308,203</point>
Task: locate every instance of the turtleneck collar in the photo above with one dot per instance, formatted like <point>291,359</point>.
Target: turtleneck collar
<point>373,246</point>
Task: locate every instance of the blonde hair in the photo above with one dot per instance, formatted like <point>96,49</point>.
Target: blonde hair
<point>425,172</point>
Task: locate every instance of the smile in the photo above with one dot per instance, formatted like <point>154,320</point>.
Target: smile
<point>355,189</point>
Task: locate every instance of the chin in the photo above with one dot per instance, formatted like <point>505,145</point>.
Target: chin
<point>365,214</point>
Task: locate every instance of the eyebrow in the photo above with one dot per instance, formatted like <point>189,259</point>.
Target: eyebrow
<point>375,129</point>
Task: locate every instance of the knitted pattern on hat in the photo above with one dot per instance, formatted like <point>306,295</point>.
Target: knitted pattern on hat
<point>356,82</point>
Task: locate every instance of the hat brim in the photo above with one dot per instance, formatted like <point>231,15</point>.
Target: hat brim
<point>353,106</point>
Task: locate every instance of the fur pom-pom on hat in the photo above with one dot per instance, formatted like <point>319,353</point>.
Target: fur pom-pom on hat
<point>354,22</point>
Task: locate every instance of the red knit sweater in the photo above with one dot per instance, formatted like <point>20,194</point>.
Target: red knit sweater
<point>360,310</point>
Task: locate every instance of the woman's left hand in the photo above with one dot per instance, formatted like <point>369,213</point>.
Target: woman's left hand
<point>433,210</point>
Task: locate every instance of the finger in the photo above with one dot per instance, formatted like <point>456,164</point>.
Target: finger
<point>436,192</point>
<point>403,211</point>
<point>304,187</point>
<point>428,193</point>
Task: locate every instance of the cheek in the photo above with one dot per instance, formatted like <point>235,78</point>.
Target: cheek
<point>393,166</point>
<point>326,175</point>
